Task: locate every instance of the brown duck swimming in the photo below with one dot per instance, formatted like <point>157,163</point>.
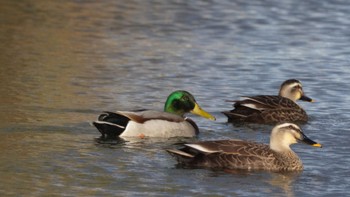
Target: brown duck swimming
<point>245,155</point>
<point>267,109</point>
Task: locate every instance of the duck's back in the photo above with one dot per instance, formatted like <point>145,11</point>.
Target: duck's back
<point>230,154</point>
<point>241,155</point>
<point>266,109</point>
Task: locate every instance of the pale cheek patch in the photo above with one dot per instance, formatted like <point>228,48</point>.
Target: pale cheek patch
<point>294,85</point>
<point>289,139</point>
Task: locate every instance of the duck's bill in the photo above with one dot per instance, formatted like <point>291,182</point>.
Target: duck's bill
<point>308,141</point>
<point>200,112</point>
<point>305,98</point>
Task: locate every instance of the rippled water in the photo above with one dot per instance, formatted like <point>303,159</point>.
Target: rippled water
<point>63,62</point>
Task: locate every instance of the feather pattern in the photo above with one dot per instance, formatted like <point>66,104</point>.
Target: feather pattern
<point>236,154</point>
<point>270,109</point>
<point>247,155</point>
<point>267,109</point>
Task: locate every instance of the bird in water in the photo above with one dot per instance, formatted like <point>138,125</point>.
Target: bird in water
<point>268,109</point>
<point>246,155</point>
<point>147,123</point>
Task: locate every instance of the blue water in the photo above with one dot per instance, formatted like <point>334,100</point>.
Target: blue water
<point>63,62</point>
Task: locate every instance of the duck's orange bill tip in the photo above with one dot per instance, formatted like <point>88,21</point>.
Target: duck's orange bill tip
<point>312,100</point>
<point>317,145</point>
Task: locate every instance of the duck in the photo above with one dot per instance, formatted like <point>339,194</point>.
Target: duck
<point>271,109</point>
<point>237,154</point>
<point>150,123</point>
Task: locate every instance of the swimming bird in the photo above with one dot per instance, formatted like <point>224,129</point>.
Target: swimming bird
<point>267,109</point>
<point>246,155</point>
<point>146,123</point>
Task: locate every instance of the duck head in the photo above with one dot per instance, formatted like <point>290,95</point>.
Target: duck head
<point>180,102</point>
<point>293,90</point>
<point>285,134</point>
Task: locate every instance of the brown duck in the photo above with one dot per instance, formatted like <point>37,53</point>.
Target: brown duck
<point>267,109</point>
<point>245,155</point>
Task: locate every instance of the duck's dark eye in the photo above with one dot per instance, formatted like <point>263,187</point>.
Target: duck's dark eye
<point>291,127</point>
<point>177,104</point>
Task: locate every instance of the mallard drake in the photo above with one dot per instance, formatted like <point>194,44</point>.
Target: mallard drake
<point>145,123</point>
<point>246,155</point>
<point>268,109</point>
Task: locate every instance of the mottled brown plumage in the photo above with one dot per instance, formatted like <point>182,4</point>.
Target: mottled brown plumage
<point>266,109</point>
<point>238,154</point>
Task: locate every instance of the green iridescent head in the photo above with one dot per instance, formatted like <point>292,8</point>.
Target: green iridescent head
<point>181,102</point>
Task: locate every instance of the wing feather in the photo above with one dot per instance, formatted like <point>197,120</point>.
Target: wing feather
<point>235,154</point>
<point>143,116</point>
<point>268,102</point>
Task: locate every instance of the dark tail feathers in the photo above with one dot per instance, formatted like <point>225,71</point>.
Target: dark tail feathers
<point>111,125</point>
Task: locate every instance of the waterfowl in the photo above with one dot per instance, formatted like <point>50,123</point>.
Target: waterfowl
<point>146,123</point>
<point>246,155</point>
<point>267,109</point>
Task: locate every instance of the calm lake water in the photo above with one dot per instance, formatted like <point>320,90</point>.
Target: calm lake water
<point>63,62</point>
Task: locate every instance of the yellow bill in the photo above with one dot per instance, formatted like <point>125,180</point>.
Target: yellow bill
<point>317,145</point>
<point>200,112</point>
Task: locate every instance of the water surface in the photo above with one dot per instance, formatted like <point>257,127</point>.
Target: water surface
<point>64,62</point>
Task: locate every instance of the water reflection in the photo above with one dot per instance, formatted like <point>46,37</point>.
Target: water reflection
<point>284,181</point>
<point>146,142</point>
<point>63,62</point>
<point>39,66</point>
<point>279,181</point>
